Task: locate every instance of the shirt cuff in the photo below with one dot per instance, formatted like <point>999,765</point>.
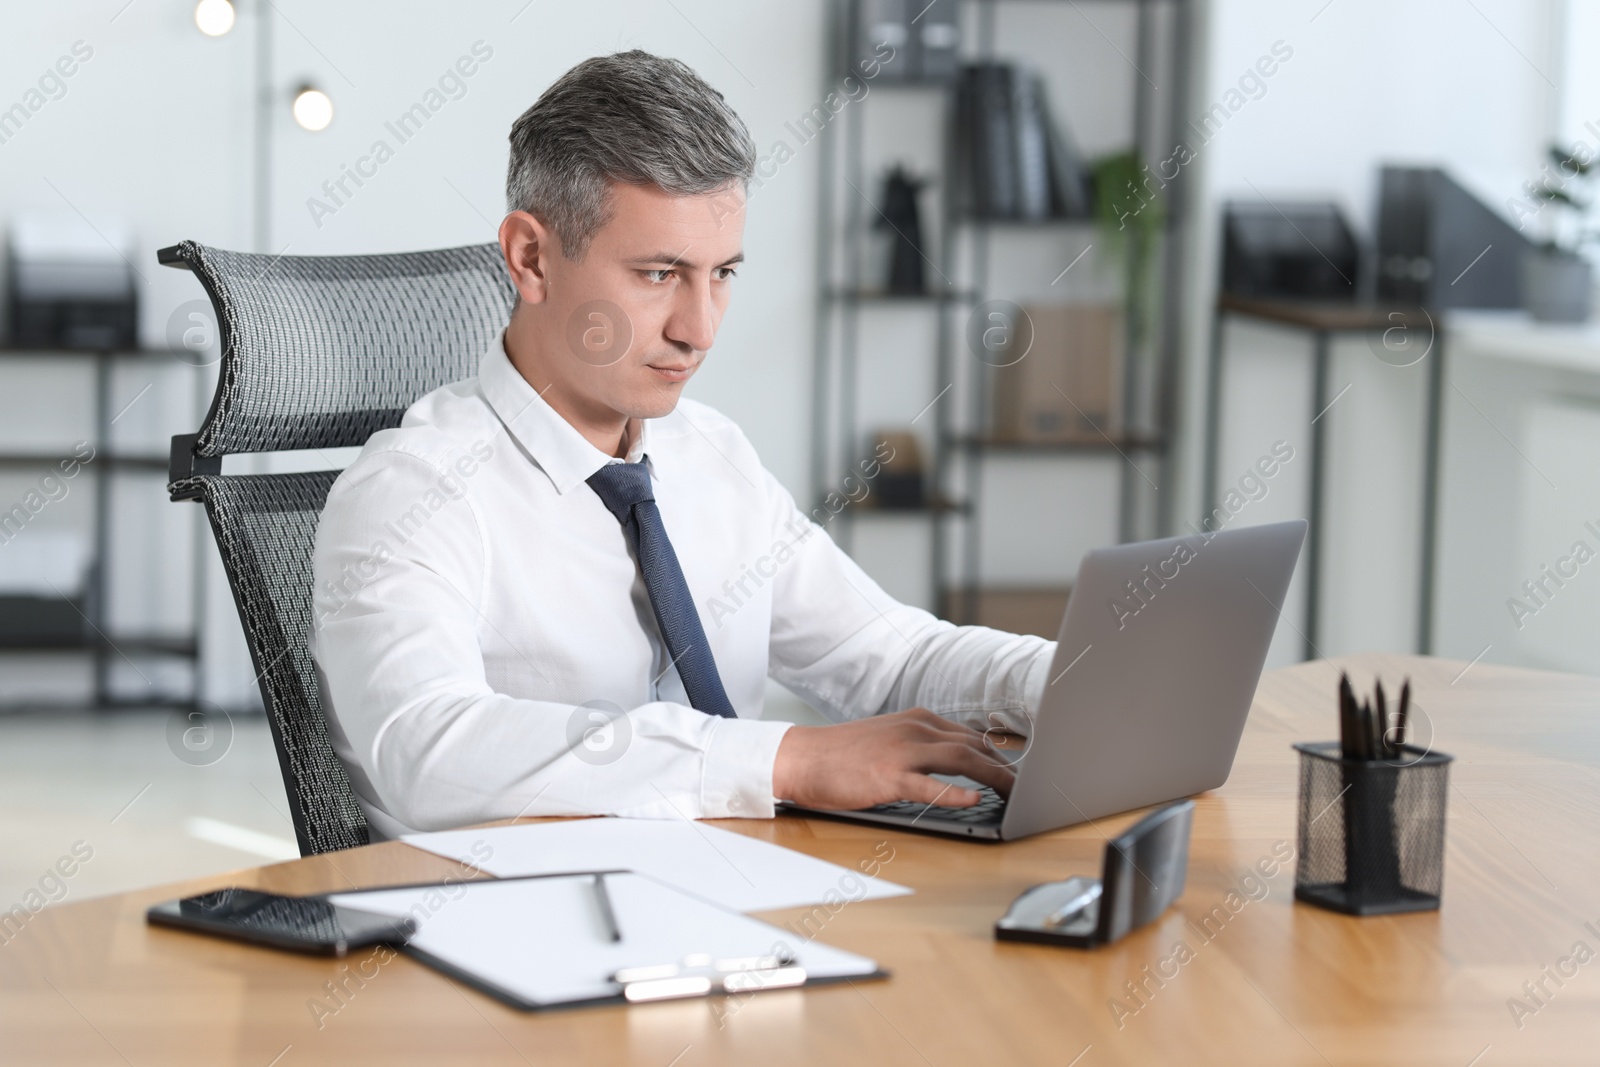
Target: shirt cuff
<point>737,778</point>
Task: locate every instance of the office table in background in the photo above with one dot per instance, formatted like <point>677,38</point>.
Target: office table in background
<point>1324,322</point>
<point>1259,979</point>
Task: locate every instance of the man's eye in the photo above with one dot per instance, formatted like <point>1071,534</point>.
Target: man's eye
<point>658,276</point>
<point>724,273</point>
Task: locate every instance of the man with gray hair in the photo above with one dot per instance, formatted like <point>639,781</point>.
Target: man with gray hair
<point>598,577</point>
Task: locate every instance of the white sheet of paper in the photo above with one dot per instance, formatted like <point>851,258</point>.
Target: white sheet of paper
<point>544,941</point>
<point>726,868</point>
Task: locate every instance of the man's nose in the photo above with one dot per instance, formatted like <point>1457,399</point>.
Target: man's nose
<point>694,317</point>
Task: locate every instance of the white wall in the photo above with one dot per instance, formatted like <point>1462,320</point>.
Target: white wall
<point>445,185</point>
<point>1461,85</point>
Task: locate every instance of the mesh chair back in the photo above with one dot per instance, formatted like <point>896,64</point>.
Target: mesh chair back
<point>325,351</point>
<point>317,352</point>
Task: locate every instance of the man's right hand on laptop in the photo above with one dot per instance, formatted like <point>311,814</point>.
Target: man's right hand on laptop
<point>850,765</point>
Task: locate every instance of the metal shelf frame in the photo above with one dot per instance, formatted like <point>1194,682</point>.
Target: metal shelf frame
<point>103,645</point>
<point>959,448</point>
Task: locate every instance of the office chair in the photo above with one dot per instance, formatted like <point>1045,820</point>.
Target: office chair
<point>317,352</point>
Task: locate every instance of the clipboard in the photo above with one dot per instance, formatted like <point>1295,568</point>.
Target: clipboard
<point>584,938</point>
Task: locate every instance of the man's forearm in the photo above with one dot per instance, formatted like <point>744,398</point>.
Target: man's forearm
<point>453,760</point>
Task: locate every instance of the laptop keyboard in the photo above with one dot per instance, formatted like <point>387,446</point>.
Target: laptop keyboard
<point>989,809</point>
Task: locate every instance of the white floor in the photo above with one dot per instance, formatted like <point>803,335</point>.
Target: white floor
<point>114,784</point>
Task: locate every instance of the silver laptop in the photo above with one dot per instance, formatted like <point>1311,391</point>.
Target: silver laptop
<point>1158,658</point>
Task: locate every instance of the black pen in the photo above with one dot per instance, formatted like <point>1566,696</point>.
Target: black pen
<point>1400,716</point>
<point>1352,748</point>
<point>606,911</point>
<point>1347,717</point>
<point>1381,724</point>
<point>1365,733</point>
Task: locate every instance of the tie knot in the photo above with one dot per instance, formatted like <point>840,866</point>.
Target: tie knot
<point>620,486</point>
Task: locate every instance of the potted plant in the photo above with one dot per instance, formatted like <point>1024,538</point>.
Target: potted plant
<point>1557,280</point>
<point>1130,214</point>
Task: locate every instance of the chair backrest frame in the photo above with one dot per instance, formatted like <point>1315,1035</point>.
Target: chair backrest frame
<point>322,806</point>
<point>317,352</point>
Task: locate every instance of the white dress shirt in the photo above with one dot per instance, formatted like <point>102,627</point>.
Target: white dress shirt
<point>473,594</point>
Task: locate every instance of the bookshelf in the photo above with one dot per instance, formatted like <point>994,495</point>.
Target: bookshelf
<point>80,620</point>
<point>1131,468</point>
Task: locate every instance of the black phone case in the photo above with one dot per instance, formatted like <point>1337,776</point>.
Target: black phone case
<point>323,928</point>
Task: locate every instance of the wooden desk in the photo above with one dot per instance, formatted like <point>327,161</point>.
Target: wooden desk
<point>1277,982</point>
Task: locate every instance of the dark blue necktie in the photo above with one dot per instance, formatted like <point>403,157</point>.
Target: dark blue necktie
<point>625,490</point>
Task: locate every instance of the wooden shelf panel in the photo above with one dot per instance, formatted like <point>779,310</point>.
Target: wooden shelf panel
<point>880,296</point>
<point>153,644</point>
<point>13,352</point>
<point>1109,447</point>
<point>1020,609</point>
<point>932,507</point>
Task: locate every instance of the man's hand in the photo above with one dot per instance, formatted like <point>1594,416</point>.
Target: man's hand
<point>885,758</point>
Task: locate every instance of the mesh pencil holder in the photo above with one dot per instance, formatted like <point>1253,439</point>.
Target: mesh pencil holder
<point>1371,831</point>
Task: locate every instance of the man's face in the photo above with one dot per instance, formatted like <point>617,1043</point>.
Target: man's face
<point>629,326</point>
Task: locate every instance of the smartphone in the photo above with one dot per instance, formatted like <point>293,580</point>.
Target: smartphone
<point>299,924</point>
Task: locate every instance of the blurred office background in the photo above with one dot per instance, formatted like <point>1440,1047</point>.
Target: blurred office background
<point>1074,265</point>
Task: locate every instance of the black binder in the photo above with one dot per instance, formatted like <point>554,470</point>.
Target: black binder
<point>993,141</point>
<point>1012,160</point>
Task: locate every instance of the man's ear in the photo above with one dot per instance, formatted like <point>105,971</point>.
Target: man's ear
<point>528,246</point>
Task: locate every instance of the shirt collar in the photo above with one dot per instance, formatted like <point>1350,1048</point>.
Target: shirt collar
<point>564,454</point>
